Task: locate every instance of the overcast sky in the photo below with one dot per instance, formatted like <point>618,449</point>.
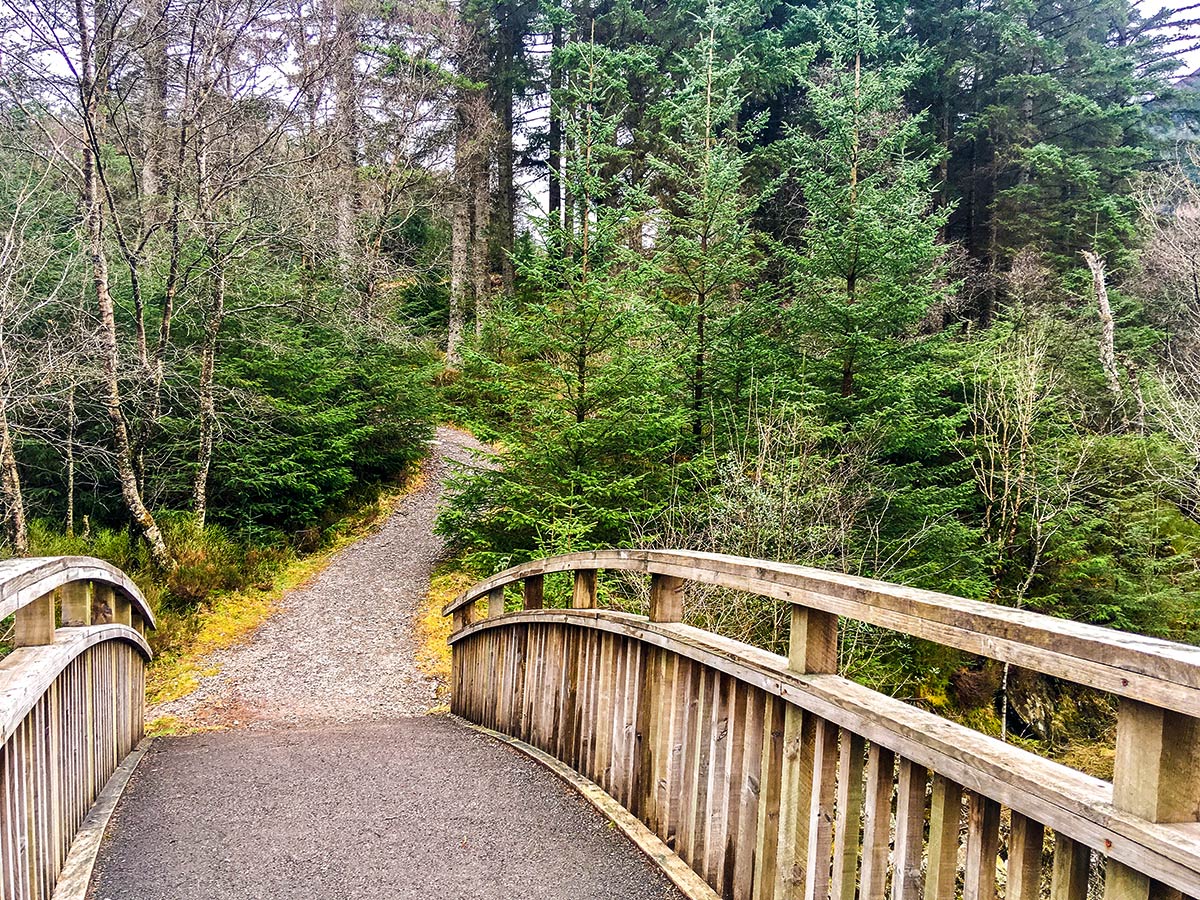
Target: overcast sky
<point>1191,60</point>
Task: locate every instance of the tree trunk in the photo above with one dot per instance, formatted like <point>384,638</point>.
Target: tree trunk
<point>10,488</point>
<point>479,239</point>
<point>699,374</point>
<point>208,405</point>
<point>71,461</point>
<point>1108,354</point>
<point>93,213</point>
<point>506,194</point>
<point>345,83</point>
<point>554,161</point>
<point>459,280</point>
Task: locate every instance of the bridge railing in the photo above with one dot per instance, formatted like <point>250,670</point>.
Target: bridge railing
<point>71,706</point>
<point>775,777</point>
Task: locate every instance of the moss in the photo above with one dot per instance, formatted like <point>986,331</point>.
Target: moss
<point>433,629</point>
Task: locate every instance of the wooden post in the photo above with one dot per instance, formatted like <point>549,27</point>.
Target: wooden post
<point>666,598</point>
<point>584,596</point>
<point>139,623</point>
<point>534,592</point>
<point>812,649</point>
<point>812,643</point>
<point>76,604</point>
<point>122,610</point>
<point>495,602</point>
<point>34,625</point>
<point>1156,776</point>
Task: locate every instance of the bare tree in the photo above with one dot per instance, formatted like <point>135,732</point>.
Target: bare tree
<point>1168,281</point>
<point>1031,466</point>
<point>63,61</point>
<point>785,492</point>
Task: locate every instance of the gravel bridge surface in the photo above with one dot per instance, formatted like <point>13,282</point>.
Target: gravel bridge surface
<point>329,779</point>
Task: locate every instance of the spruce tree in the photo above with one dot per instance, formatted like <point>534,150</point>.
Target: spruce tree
<point>588,394</point>
<point>868,266</point>
<point>707,258</point>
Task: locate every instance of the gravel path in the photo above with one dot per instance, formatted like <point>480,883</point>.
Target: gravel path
<point>342,648</point>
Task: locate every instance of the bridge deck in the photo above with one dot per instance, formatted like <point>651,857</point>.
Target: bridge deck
<point>417,808</point>
<point>331,783</point>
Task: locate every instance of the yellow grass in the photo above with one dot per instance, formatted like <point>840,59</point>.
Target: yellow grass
<point>433,629</point>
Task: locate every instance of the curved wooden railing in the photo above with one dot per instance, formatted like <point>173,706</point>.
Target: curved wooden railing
<point>774,777</point>
<point>71,706</point>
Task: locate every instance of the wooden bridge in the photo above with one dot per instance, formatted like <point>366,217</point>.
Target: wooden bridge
<point>742,773</point>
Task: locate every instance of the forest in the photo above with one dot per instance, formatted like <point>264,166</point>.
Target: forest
<point>902,290</point>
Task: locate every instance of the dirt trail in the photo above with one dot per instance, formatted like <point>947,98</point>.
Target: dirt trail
<point>342,649</point>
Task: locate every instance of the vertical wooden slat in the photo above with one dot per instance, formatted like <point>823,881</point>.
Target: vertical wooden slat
<point>689,761</point>
<point>910,826</point>
<point>735,782</point>
<point>663,701</point>
<point>945,815</point>
<point>747,830</point>
<point>570,712</point>
<point>615,724</point>
<point>820,829</point>
<point>718,784</point>
<point>1025,841</point>
<point>704,727</point>
<point>795,805</point>
<point>8,834</point>
<point>604,712</point>
<point>649,715</point>
<point>1069,876</point>
<point>680,691</point>
<point>983,844</point>
<point>767,845</point>
<point>847,834</point>
<point>634,681</point>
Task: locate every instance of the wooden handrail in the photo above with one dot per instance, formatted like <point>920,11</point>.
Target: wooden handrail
<point>71,706</point>
<point>23,581</point>
<point>774,777</point>
<point>1155,671</point>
